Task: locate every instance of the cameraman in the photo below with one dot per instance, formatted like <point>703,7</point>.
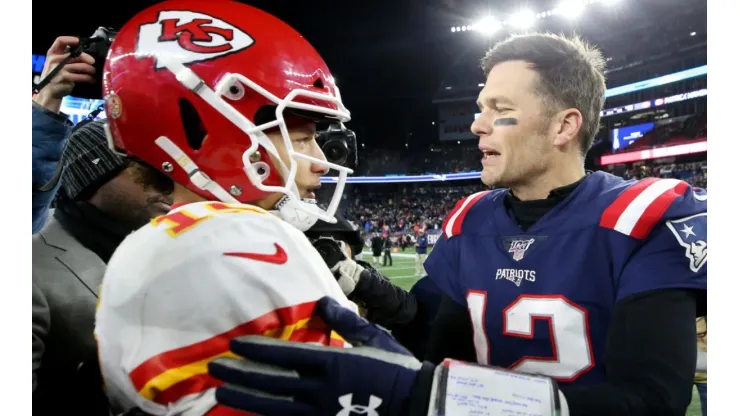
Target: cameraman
<point>339,244</point>
<point>51,128</point>
<point>386,304</point>
<point>406,314</point>
<point>74,67</point>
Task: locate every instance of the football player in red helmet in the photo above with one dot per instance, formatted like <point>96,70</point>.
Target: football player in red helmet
<point>221,100</point>
<point>207,95</point>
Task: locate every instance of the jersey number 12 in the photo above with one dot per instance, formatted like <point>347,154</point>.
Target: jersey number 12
<point>572,354</point>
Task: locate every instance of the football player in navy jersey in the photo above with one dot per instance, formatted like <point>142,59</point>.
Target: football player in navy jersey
<point>586,278</point>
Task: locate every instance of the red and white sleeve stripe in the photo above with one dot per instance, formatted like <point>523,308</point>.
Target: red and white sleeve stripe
<point>452,225</point>
<point>638,209</point>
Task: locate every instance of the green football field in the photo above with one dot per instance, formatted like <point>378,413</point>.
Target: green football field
<point>403,271</point>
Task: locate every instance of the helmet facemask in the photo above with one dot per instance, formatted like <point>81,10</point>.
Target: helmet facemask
<point>302,214</point>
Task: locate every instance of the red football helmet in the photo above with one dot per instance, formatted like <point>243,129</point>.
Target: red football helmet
<point>191,86</point>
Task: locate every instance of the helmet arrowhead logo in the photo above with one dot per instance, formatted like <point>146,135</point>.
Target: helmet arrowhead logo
<point>190,37</point>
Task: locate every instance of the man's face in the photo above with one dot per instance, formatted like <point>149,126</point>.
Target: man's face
<point>512,127</point>
<point>127,200</point>
<point>303,139</point>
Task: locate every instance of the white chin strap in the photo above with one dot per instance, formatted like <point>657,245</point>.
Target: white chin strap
<point>302,214</point>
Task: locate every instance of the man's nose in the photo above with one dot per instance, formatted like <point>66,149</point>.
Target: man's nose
<point>319,169</point>
<point>481,126</point>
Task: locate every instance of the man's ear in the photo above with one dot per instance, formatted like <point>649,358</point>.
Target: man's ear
<point>569,123</point>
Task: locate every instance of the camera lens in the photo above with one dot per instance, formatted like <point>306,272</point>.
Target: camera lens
<point>336,151</point>
<point>324,250</point>
<point>328,250</point>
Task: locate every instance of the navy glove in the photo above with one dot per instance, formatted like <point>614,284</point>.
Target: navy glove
<point>376,377</point>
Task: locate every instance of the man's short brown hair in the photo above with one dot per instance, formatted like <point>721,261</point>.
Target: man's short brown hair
<point>571,74</point>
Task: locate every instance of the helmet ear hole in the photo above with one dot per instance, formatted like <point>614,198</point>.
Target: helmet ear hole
<point>262,169</point>
<point>319,83</point>
<point>236,91</point>
<point>265,114</point>
<point>195,131</point>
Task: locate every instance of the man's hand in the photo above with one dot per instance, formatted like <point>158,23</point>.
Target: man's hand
<point>348,273</point>
<point>377,376</point>
<point>79,69</point>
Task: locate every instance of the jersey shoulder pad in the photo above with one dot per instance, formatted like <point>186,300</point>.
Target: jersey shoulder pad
<point>638,206</point>
<point>208,215</point>
<point>452,225</point>
<point>185,227</point>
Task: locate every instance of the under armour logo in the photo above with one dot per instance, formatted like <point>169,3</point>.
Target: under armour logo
<point>348,408</point>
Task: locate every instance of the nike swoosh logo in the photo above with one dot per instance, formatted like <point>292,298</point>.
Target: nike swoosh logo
<point>278,257</point>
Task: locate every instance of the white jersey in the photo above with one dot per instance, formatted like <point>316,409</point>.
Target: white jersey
<point>177,290</point>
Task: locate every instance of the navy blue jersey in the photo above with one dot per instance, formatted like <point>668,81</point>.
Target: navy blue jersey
<point>421,244</point>
<point>541,300</point>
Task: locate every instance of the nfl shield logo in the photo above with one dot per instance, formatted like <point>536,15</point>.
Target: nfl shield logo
<point>519,247</point>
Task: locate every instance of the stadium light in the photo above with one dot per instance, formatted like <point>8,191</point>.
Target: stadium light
<point>570,9</point>
<point>487,25</point>
<point>523,19</point>
<point>481,84</point>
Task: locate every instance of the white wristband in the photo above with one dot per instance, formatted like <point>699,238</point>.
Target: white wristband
<point>462,389</point>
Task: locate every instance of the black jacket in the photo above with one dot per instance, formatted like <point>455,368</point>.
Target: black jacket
<point>388,305</point>
<point>377,245</point>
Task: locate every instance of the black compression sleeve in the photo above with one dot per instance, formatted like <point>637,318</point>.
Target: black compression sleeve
<point>390,305</point>
<point>650,359</point>
<point>451,335</point>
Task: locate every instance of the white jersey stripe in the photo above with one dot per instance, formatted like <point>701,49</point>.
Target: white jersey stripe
<point>636,209</point>
<point>451,223</point>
